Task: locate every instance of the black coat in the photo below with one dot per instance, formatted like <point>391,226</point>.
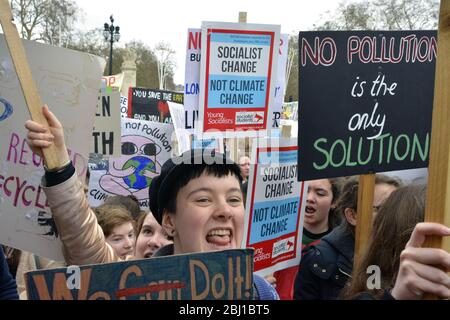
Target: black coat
<point>326,267</point>
<point>8,288</point>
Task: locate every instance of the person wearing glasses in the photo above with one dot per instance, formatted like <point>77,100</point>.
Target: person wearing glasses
<point>326,267</point>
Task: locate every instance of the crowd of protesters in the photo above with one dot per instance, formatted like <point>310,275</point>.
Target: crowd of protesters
<point>200,208</point>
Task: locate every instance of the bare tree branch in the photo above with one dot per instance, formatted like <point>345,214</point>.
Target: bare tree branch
<point>166,62</point>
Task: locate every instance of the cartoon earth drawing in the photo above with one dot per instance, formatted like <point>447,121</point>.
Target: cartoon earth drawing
<point>132,172</point>
<point>137,180</point>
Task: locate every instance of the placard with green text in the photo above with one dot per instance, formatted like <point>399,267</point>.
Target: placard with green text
<point>365,101</point>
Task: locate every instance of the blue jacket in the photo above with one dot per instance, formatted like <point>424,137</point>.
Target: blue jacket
<point>8,287</point>
<point>262,290</point>
<point>326,267</point>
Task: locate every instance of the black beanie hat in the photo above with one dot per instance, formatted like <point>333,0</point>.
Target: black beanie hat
<point>159,191</point>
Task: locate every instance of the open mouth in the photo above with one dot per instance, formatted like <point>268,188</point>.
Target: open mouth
<point>219,237</point>
<point>309,210</point>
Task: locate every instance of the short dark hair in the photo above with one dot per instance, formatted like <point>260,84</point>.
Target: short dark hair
<point>194,172</point>
<point>164,188</point>
<point>334,218</point>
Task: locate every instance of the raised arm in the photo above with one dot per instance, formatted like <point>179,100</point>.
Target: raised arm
<point>82,237</point>
<point>39,137</point>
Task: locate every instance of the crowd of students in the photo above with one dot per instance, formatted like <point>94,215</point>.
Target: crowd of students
<point>200,208</point>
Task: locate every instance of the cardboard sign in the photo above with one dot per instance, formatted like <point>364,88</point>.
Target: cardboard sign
<point>68,82</point>
<point>225,275</point>
<point>106,133</point>
<point>192,78</point>
<point>182,135</point>
<point>151,105</point>
<point>123,106</point>
<point>216,144</point>
<point>145,147</point>
<point>280,87</point>
<point>275,206</point>
<point>365,101</point>
<point>237,77</point>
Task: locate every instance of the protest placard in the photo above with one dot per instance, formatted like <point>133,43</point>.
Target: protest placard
<point>106,133</point>
<point>71,91</point>
<point>211,143</point>
<point>225,275</point>
<point>237,77</point>
<point>275,206</point>
<point>280,80</point>
<point>182,135</point>
<point>110,82</point>
<point>145,146</point>
<point>192,79</point>
<point>151,105</point>
<point>123,106</point>
<point>365,101</point>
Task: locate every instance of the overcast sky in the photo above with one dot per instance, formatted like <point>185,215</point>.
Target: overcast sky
<point>168,20</point>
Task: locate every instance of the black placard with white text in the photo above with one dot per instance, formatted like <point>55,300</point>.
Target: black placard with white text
<point>365,101</point>
<point>151,105</point>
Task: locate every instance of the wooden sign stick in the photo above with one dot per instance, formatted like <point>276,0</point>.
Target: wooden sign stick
<point>23,71</point>
<point>437,208</point>
<point>366,187</point>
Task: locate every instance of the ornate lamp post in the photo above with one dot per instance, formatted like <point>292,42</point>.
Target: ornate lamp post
<point>111,34</point>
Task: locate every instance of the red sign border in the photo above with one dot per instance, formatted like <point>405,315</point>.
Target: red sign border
<point>208,51</point>
<point>263,264</point>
